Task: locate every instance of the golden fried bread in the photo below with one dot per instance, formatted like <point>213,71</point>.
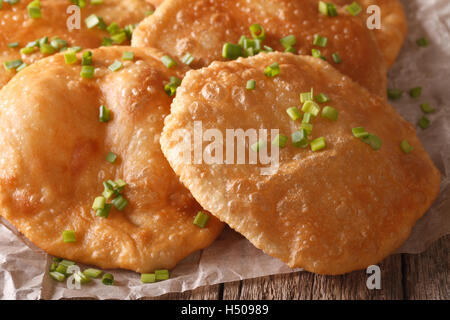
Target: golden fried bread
<point>391,36</point>
<point>17,26</point>
<point>53,162</point>
<point>330,211</point>
<point>203,27</point>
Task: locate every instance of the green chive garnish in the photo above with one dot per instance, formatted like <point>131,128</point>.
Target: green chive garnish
<point>21,67</point>
<point>99,203</point>
<point>257,32</point>
<point>394,94</point>
<point>87,72</point>
<point>273,70</point>
<point>104,114</point>
<point>161,275</point>
<point>172,86</point>
<point>373,141</point>
<point>320,41</point>
<point>322,98</point>
<point>46,48</point>
<point>424,122</point>
<point>415,92</point>
<point>92,21</point>
<point>311,107</point>
<point>111,157</point>
<point>318,144</point>
<point>92,273</point>
<point>406,147</point>
<point>187,59</point>
<point>427,108</point>
<point>422,42</point>
<point>108,279</point>
<point>103,212</point>
<point>330,113</point>
<point>113,28</point>
<point>81,278</point>
<point>360,132</point>
<point>119,37</point>
<point>251,85</point>
<point>168,61</point>
<point>13,44</point>
<point>336,58</point>
<point>12,64</point>
<point>306,118</point>
<point>201,219</point>
<point>317,54</point>
<point>354,9</point>
<point>128,55</point>
<point>70,57</point>
<point>68,236</point>
<point>307,127</point>
<point>231,51</point>
<point>115,66</point>
<point>34,9</point>
<point>57,276</point>
<point>148,277</point>
<point>288,41</point>
<point>294,113</point>
<point>306,96</point>
<point>280,140</point>
<point>106,42</point>
<point>119,202</point>
<point>300,138</point>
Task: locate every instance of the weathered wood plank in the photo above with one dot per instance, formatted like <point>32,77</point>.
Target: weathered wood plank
<point>426,275</point>
<point>202,293</point>
<point>305,285</point>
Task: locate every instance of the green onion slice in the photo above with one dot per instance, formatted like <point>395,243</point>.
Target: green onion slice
<point>57,276</point>
<point>128,55</point>
<point>336,58</point>
<point>104,114</point>
<point>300,138</point>
<point>373,141</point>
<point>394,94</point>
<point>406,147</point>
<point>148,277</point>
<point>288,41</point>
<point>257,32</point>
<point>318,144</point>
<point>354,9</point>
<point>201,219</point>
<point>360,132</point>
<point>311,107</point>
<point>108,279</point>
<point>427,108</point>
<point>231,51</point>
<point>320,41</point>
<point>68,236</point>
<point>272,71</point>
<point>119,202</point>
<point>280,140</point>
<point>92,273</point>
<point>322,98</point>
<point>424,122</point>
<point>161,275</point>
<point>294,113</point>
<point>115,66</point>
<point>168,61</point>
<point>87,72</point>
<point>251,85</point>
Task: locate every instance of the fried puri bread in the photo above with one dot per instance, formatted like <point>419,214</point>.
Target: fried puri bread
<point>203,27</point>
<point>17,26</point>
<point>53,163</point>
<point>330,211</point>
<point>391,36</point>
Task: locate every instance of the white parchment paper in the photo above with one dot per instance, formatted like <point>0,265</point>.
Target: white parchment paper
<point>23,267</point>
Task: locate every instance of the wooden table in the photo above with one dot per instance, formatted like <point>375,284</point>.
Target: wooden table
<point>404,276</point>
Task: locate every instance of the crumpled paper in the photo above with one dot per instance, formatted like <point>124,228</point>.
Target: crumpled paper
<point>23,266</point>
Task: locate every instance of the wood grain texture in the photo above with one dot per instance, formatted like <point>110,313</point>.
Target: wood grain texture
<point>422,276</point>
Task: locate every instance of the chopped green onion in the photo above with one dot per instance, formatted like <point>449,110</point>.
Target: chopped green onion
<point>21,67</point>
<point>294,113</point>
<point>67,263</point>
<point>12,2</point>
<point>320,41</point>
<point>99,203</point>
<point>92,21</point>
<point>120,184</point>
<point>161,275</point>
<point>311,107</point>
<point>318,144</point>
<point>273,70</point>
<point>53,266</point>
<point>61,268</point>
<point>106,42</point>
<point>280,140</point>
<point>70,57</point>
<point>360,132</point>
<point>373,141</point>
<point>148,277</point>
<point>201,219</point>
<point>332,12</point>
<point>108,279</point>
<point>43,40</point>
<point>168,61</point>
<point>323,8</point>
<point>322,98</point>
<point>172,86</point>
<point>307,127</point>
<point>306,96</point>
<point>149,13</point>
<point>327,9</point>
<point>187,59</point>
<point>290,49</point>
<point>427,108</point>
<point>119,202</point>
<point>330,113</point>
<point>81,278</point>
<point>251,85</point>
<point>92,273</point>
<point>12,64</point>
<point>336,58</point>
<point>406,147</point>
<point>115,66</point>
<point>27,50</point>
<point>422,42</point>
<point>104,114</point>
<point>34,9</point>
<point>119,37</point>
<point>268,49</point>
<point>87,72</point>
<point>300,138</point>
<point>317,54</point>
<point>424,122</point>
<point>354,9</point>
<point>13,44</point>
<point>415,92</point>
<point>68,236</point>
<point>111,157</point>
<point>129,30</point>
<point>75,49</point>
<point>80,3</point>
<point>96,2</point>
<point>231,51</point>
<point>46,48</point>
<point>288,41</point>
<point>104,212</point>
<point>258,145</point>
<point>58,43</point>
<point>257,32</point>
<point>394,94</point>
<point>57,276</point>
<point>113,28</point>
<point>58,260</point>
<point>306,118</point>
<point>128,55</point>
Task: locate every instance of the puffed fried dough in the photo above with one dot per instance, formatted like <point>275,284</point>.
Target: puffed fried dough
<point>391,36</point>
<point>53,163</point>
<point>17,26</point>
<point>330,212</point>
<point>202,27</point>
